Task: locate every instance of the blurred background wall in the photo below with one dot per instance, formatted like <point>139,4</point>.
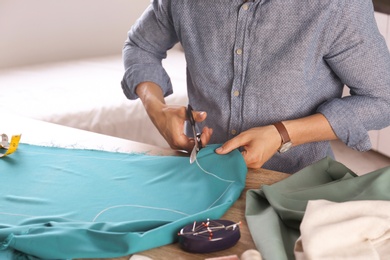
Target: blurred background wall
<point>42,31</point>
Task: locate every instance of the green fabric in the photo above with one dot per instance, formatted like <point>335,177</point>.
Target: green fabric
<point>65,203</point>
<point>274,212</point>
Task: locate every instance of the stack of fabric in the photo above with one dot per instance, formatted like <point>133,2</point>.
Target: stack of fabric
<point>324,211</point>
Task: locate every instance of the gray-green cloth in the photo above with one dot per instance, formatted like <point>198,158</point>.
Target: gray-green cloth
<point>274,212</point>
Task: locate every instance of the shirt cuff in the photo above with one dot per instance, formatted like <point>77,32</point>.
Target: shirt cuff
<point>139,73</point>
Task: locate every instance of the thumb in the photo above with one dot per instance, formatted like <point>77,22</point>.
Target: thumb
<point>228,146</point>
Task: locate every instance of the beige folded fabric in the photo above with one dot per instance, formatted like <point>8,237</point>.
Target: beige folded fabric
<point>348,230</point>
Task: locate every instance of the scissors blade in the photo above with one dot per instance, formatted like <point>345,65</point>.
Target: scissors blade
<point>195,150</point>
<point>193,155</point>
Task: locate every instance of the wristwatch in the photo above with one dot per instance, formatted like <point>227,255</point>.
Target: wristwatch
<point>286,141</point>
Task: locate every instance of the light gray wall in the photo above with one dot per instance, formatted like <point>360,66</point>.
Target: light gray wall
<point>38,31</point>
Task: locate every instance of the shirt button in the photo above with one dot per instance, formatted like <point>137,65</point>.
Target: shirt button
<point>234,132</point>
<point>245,7</point>
<point>239,51</point>
<point>236,93</point>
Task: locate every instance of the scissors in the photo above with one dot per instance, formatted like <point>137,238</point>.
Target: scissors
<point>198,143</point>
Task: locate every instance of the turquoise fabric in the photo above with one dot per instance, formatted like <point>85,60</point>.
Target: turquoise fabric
<point>274,212</point>
<point>60,203</point>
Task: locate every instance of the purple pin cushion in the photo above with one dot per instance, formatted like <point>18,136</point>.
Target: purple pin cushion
<point>209,236</point>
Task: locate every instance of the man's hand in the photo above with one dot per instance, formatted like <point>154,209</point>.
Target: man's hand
<point>169,120</point>
<point>170,124</point>
<point>259,144</point>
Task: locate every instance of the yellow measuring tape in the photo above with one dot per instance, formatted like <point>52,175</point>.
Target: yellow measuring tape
<point>12,146</point>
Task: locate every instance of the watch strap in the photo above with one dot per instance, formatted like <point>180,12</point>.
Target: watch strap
<point>283,132</point>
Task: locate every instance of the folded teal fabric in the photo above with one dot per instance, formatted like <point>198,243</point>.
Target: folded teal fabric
<point>60,203</point>
<point>274,212</point>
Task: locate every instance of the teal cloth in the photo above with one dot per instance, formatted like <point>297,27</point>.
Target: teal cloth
<point>274,212</point>
<point>60,203</point>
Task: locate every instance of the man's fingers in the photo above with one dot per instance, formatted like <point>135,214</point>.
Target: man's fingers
<point>200,116</point>
<point>182,143</point>
<point>250,160</point>
<point>206,135</point>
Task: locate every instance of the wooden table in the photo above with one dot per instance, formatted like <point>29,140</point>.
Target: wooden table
<point>382,6</point>
<point>43,133</point>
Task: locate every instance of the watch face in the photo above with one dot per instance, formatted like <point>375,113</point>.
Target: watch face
<point>285,147</point>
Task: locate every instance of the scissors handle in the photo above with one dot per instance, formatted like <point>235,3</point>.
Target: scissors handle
<point>198,142</point>
<point>190,115</point>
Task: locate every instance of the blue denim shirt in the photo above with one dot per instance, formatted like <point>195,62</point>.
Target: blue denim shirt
<point>253,63</point>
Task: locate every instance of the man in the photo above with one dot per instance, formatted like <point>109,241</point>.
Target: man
<point>264,72</point>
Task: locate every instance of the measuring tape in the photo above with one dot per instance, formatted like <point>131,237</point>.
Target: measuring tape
<point>12,146</point>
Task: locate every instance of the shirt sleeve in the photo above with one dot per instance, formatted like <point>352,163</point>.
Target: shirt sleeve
<point>145,48</point>
<point>360,58</point>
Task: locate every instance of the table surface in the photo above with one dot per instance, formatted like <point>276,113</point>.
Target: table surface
<point>43,133</point>
<point>382,6</point>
